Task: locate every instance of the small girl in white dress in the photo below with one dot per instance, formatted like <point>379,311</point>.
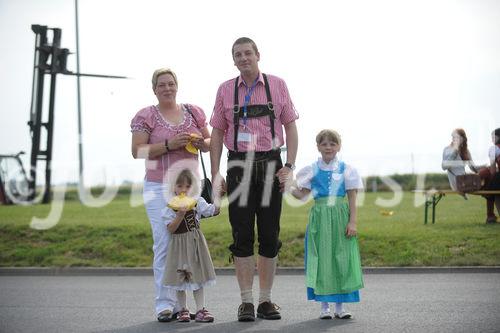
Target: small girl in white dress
<point>189,265</point>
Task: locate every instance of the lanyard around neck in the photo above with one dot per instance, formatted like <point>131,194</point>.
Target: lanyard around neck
<point>247,99</point>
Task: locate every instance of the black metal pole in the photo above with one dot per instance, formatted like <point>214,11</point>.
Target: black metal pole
<point>50,134</point>
<point>56,43</point>
<point>33,83</point>
<point>97,75</point>
<point>36,122</point>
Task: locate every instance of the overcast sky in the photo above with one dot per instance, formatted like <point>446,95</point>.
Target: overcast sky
<point>393,77</point>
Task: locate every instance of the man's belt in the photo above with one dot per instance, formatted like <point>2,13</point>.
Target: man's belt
<point>258,155</point>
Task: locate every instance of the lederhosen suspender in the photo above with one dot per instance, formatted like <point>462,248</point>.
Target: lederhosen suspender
<point>253,111</point>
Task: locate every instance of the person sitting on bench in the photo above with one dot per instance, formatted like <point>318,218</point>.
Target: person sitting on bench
<point>456,156</point>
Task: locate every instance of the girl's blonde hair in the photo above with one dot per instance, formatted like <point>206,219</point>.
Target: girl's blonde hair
<point>328,134</point>
<point>160,72</point>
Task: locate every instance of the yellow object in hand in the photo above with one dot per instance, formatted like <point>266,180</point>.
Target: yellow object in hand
<point>192,149</point>
<point>189,147</point>
<point>182,201</point>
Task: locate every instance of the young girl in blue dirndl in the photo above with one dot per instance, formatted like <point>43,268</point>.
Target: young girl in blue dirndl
<point>332,260</point>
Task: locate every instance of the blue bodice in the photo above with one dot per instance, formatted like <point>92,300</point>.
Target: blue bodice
<point>325,183</point>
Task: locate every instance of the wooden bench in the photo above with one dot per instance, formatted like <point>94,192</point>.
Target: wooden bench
<point>432,198</point>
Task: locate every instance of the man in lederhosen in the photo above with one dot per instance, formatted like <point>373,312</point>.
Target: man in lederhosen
<point>249,116</point>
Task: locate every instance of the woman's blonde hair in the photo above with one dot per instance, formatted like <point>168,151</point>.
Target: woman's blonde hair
<point>162,71</point>
<point>328,134</point>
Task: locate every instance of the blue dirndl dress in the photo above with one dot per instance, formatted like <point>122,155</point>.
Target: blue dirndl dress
<point>332,261</point>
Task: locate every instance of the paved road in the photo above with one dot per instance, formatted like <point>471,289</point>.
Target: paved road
<point>436,302</point>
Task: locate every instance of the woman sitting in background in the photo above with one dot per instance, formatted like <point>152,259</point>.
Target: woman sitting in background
<point>456,156</point>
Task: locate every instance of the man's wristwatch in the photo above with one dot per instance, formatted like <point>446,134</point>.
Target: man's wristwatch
<point>290,166</point>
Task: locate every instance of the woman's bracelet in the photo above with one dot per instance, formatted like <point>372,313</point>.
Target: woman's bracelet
<point>166,145</point>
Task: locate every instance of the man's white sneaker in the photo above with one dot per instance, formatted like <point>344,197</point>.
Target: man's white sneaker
<point>325,314</point>
<point>343,315</point>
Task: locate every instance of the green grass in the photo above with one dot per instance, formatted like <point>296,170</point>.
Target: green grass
<point>119,235</point>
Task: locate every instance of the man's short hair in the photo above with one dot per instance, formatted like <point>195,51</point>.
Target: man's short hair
<point>244,40</point>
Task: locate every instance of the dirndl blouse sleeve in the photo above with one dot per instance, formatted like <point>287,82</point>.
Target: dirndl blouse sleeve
<point>352,179</point>
<point>203,208</point>
<point>143,121</point>
<point>304,177</point>
<point>168,215</point>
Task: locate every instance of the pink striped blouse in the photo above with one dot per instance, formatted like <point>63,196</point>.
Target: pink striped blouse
<point>260,128</point>
<point>150,121</point>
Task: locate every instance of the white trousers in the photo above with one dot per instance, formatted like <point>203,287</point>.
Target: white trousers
<point>155,198</point>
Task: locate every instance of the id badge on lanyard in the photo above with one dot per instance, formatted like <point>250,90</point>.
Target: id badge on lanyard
<point>244,134</point>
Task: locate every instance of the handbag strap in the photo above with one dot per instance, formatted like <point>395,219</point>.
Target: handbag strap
<point>201,154</point>
<point>203,165</point>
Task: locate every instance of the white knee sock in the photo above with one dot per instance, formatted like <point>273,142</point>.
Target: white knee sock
<point>181,298</point>
<point>267,269</point>
<point>199,298</point>
<point>339,307</point>
<point>245,268</point>
<point>264,295</point>
<point>246,296</point>
<point>325,306</point>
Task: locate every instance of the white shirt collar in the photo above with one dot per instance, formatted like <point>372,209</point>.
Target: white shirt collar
<point>332,165</point>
